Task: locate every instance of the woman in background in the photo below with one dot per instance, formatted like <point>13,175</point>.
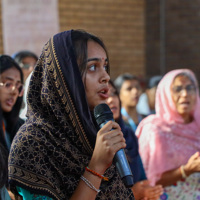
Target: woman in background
<point>141,187</point>
<point>169,140</point>
<point>129,90</point>
<point>11,91</point>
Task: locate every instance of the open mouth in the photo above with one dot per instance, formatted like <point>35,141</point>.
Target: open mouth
<point>10,102</point>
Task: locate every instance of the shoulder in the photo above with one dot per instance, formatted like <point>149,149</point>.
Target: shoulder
<point>148,125</point>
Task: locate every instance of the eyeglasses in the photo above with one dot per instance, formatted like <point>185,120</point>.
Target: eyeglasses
<point>191,89</point>
<point>11,87</point>
<point>25,66</point>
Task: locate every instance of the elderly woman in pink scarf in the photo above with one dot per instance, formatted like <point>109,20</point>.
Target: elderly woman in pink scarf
<point>169,140</point>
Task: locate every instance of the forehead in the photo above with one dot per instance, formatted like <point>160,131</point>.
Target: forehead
<point>11,73</point>
<point>129,83</point>
<point>29,60</point>
<point>95,50</point>
<point>179,80</point>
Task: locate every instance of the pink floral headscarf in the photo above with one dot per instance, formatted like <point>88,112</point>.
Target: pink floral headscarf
<point>165,142</point>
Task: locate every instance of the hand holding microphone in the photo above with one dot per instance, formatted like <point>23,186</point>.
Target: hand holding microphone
<point>108,142</point>
<point>112,143</point>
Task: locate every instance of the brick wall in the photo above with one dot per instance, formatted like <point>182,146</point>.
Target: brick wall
<point>120,23</point>
<point>181,36</point>
<point>131,32</point>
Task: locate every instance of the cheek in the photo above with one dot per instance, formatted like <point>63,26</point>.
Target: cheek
<point>174,98</point>
<point>124,96</point>
<point>193,102</point>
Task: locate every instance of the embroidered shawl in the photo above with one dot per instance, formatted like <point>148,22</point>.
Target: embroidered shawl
<point>50,151</point>
<point>165,142</point>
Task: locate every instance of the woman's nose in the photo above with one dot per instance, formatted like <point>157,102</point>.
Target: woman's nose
<point>105,77</point>
<point>14,90</point>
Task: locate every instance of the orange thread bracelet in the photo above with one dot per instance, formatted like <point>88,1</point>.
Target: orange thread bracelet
<point>96,174</point>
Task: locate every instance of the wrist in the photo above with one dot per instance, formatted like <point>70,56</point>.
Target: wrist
<point>97,168</point>
<point>187,170</point>
<point>183,172</point>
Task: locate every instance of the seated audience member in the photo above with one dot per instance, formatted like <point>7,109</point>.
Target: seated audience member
<point>141,187</point>
<point>60,152</point>
<point>169,140</point>
<point>146,104</point>
<point>129,90</point>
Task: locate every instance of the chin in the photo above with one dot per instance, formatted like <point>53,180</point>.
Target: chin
<point>6,109</point>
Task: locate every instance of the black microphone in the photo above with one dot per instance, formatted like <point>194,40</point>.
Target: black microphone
<point>103,114</point>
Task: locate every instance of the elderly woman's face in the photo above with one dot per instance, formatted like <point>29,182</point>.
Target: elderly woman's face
<point>184,95</point>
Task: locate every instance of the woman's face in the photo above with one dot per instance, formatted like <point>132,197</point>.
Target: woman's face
<point>96,77</point>
<point>183,93</point>
<point>113,102</point>
<point>28,64</point>
<point>8,96</point>
<point>130,93</point>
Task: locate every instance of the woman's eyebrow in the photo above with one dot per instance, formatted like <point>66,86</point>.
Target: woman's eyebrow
<point>11,79</point>
<point>96,59</point>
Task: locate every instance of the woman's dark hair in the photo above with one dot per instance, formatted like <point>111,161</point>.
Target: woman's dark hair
<point>124,77</point>
<point>80,39</point>
<point>6,62</point>
<point>18,57</point>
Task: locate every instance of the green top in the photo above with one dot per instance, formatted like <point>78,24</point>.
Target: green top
<point>27,195</point>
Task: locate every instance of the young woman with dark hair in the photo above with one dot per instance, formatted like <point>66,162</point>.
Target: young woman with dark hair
<point>60,152</point>
<point>11,91</point>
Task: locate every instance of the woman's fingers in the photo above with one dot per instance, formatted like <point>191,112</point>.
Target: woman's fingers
<point>154,192</point>
<point>109,140</point>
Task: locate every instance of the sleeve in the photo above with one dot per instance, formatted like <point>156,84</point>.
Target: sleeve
<point>27,195</point>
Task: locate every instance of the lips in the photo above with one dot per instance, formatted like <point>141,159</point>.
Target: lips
<point>135,98</point>
<point>184,103</point>
<point>103,92</point>
<point>113,109</point>
<point>10,102</point>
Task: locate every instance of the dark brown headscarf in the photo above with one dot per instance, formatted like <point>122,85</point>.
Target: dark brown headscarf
<point>51,150</point>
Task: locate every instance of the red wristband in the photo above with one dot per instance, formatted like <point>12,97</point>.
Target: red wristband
<point>96,174</point>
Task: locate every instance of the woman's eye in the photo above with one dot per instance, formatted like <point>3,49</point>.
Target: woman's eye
<point>92,68</point>
<point>129,88</point>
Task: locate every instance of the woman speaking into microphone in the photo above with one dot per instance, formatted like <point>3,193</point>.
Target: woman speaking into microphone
<point>59,153</point>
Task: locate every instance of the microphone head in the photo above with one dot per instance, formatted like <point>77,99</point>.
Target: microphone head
<point>102,113</point>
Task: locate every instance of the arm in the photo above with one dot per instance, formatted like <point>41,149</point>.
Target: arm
<point>172,176</point>
<point>107,144</point>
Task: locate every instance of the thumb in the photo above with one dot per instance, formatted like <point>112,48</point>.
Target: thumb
<point>196,155</point>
